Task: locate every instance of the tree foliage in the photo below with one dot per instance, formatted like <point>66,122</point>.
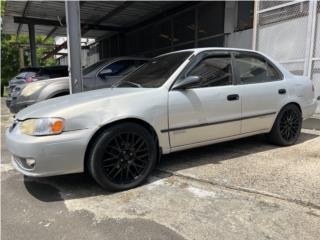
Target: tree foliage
<point>10,63</point>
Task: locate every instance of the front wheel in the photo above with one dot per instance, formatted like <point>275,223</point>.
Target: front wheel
<point>122,156</point>
<point>287,126</point>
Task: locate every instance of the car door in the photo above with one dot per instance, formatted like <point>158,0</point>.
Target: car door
<point>115,71</point>
<point>261,89</point>
<point>210,110</point>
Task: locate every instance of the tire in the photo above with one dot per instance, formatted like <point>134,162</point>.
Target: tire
<point>287,126</point>
<point>122,156</point>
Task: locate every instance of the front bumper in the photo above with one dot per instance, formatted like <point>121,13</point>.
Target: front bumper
<point>53,155</point>
<point>8,102</point>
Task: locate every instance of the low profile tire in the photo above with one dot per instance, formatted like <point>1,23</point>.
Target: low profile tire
<point>122,156</point>
<point>287,126</point>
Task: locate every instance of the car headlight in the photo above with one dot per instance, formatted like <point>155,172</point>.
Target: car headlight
<point>31,88</point>
<point>42,126</point>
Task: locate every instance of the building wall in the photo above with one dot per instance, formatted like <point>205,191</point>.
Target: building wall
<point>290,33</point>
<point>208,24</point>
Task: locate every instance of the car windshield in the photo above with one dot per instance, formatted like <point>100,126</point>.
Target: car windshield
<point>156,72</point>
<point>94,66</point>
<point>25,75</point>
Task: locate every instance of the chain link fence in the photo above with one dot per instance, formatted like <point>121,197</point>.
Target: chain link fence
<point>289,32</point>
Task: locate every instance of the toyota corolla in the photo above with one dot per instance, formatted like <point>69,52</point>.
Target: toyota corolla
<point>177,101</point>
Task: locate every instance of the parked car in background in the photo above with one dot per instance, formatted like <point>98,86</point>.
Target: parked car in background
<point>33,74</point>
<point>98,75</point>
<point>25,75</point>
<point>176,101</point>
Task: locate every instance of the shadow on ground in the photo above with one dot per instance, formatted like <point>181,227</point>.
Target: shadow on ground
<point>75,186</point>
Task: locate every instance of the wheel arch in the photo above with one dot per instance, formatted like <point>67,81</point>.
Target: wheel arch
<point>138,121</point>
<point>291,103</point>
<point>59,93</point>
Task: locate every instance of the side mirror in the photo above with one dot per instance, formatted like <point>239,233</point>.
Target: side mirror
<point>105,72</point>
<point>188,82</point>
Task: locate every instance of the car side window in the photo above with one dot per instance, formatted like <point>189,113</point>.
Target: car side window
<point>119,68</point>
<point>213,71</point>
<point>253,69</point>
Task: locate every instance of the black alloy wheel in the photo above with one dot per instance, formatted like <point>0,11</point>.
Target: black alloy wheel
<point>287,126</point>
<point>123,156</point>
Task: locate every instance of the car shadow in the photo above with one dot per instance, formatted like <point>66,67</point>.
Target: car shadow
<point>76,186</point>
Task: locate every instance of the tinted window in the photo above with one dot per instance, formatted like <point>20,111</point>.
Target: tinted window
<point>157,71</point>
<point>213,71</point>
<point>25,75</point>
<point>253,69</point>
<point>94,66</point>
<point>119,68</point>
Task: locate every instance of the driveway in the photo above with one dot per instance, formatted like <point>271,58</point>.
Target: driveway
<point>244,189</point>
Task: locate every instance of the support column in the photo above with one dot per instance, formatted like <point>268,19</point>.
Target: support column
<point>21,57</point>
<point>74,45</point>
<point>32,40</point>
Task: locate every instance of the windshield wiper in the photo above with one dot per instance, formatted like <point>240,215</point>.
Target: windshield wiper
<point>117,84</point>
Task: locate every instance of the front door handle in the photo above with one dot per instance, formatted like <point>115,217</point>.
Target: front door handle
<point>282,91</point>
<point>233,97</point>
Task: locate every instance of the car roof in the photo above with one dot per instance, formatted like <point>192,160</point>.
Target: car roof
<point>198,50</point>
<point>124,58</point>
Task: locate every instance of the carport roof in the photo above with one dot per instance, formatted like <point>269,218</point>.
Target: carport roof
<point>98,18</point>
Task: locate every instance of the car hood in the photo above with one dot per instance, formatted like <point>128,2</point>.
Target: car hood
<point>50,80</point>
<point>61,106</point>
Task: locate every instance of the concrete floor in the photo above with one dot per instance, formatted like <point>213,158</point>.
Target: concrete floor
<point>245,189</point>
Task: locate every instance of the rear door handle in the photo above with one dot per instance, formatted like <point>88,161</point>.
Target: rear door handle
<point>233,97</point>
<point>282,91</point>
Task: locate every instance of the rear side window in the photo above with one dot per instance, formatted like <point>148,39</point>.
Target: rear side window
<point>255,69</point>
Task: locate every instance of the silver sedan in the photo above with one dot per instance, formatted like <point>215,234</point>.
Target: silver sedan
<point>177,101</point>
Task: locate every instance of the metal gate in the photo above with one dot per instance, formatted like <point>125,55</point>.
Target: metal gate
<point>289,32</point>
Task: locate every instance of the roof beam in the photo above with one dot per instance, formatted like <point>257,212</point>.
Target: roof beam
<point>23,15</point>
<point>86,27</point>
<point>48,22</point>
<point>56,27</point>
<point>162,15</point>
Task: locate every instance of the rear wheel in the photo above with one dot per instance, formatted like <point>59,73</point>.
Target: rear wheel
<point>287,126</point>
<point>122,156</point>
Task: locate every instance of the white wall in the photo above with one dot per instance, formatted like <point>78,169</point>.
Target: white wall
<point>241,39</point>
<point>284,41</point>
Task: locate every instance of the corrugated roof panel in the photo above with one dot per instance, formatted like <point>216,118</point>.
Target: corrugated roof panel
<point>91,11</point>
<point>46,9</point>
<point>14,8</point>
